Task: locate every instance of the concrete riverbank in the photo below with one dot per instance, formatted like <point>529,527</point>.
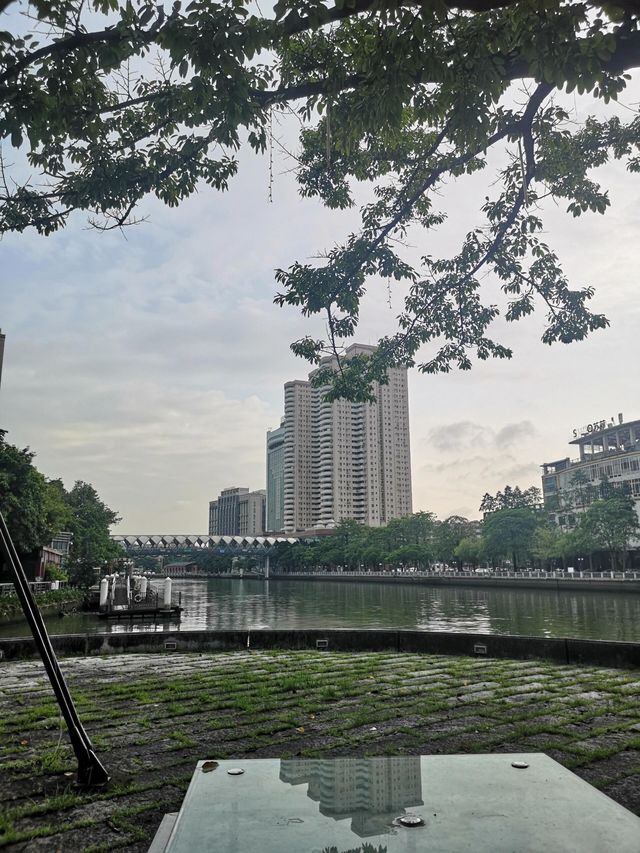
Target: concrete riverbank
<point>607,582</point>
<point>151,717</point>
<point>564,650</point>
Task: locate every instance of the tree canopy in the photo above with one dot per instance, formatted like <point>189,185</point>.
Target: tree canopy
<point>33,507</point>
<point>107,101</point>
<point>36,509</point>
<point>511,498</point>
<point>612,523</point>
<point>510,532</point>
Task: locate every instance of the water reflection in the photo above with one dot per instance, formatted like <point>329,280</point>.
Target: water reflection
<point>242,604</point>
<point>372,792</point>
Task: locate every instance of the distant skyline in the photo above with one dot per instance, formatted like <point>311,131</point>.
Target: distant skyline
<point>152,363</point>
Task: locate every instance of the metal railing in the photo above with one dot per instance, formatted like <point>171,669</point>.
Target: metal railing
<point>471,573</point>
<point>36,587</point>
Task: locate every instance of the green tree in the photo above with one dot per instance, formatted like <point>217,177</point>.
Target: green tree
<point>410,555</point>
<point>449,533</point>
<point>469,550</point>
<point>373,556</point>
<point>612,523</point>
<point>111,101</point>
<point>510,533</point>
<point>581,542</point>
<point>54,572</point>
<point>90,522</point>
<point>33,507</point>
<point>511,498</point>
<point>549,544</point>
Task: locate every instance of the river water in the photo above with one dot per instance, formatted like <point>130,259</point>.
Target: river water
<point>220,604</point>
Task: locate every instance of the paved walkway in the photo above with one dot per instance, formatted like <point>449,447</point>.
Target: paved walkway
<point>152,716</point>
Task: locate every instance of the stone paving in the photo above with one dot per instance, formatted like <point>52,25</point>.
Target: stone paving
<point>151,717</point>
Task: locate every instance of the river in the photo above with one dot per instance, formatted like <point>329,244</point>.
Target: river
<point>220,604</point>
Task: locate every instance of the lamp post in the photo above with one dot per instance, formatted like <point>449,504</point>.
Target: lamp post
<point>91,773</point>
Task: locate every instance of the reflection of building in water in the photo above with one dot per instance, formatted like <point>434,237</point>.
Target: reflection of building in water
<point>372,791</point>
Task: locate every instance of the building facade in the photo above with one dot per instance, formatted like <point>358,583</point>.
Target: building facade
<point>237,512</point>
<point>608,451</point>
<point>346,460</point>
<point>2,339</point>
<point>275,479</point>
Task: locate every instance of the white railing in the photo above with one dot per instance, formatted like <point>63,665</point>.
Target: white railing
<point>36,587</point>
<point>539,575</point>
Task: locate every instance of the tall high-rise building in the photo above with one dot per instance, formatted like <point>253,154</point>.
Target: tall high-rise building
<point>2,339</point>
<point>346,460</point>
<point>237,512</point>
<point>275,479</point>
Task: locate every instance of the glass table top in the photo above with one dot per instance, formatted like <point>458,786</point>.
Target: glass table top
<point>440,804</point>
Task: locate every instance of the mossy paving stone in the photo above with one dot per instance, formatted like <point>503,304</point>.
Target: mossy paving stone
<point>363,704</point>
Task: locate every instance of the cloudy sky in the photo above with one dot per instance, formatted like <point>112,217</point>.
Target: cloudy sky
<point>151,363</point>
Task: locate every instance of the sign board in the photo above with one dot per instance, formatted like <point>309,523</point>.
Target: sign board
<point>589,429</point>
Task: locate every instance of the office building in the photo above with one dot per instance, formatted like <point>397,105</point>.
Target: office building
<point>237,512</point>
<point>609,450</point>
<point>345,460</point>
<point>2,340</point>
<point>275,479</point>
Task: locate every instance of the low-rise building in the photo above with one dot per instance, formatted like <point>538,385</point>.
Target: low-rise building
<point>181,570</point>
<point>609,452</point>
<point>238,512</point>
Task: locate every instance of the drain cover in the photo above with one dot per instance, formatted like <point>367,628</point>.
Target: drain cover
<point>235,771</point>
<point>411,820</point>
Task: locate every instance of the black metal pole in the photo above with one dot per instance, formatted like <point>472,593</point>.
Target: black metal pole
<point>91,773</point>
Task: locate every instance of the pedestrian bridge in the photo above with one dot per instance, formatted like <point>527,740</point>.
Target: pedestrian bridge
<point>196,542</point>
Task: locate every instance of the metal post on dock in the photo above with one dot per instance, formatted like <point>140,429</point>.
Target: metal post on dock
<point>167,592</point>
<point>104,593</point>
<point>91,773</point>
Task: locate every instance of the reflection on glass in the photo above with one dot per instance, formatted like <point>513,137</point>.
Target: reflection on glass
<point>373,792</point>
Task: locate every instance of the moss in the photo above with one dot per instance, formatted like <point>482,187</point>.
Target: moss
<point>152,717</point>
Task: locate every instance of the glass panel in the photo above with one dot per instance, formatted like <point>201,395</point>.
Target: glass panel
<point>476,803</point>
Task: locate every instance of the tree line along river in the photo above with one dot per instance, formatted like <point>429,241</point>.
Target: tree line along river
<point>239,604</point>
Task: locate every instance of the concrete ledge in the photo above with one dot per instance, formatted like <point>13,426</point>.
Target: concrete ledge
<point>562,650</point>
<point>486,645</point>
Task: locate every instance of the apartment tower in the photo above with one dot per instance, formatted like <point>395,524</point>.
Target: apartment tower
<point>343,459</point>
<point>275,479</point>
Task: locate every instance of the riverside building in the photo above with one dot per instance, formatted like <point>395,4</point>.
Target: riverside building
<point>275,479</point>
<point>608,449</point>
<point>237,512</point>
<point>345,460</point>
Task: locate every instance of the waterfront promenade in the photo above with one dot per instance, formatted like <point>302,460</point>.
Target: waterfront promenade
<point>151,717</point>
<point>597,581</point>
